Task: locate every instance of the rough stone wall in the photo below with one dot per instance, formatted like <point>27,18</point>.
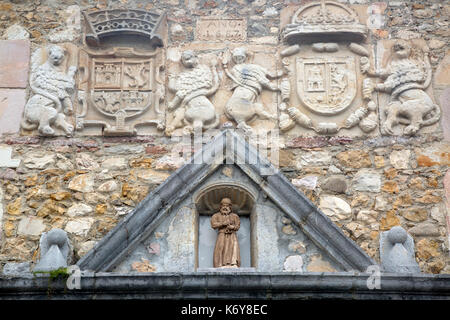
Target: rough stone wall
<point>84,185</point>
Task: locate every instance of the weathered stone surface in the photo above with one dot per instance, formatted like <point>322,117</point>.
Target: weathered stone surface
<point>442,71</point>
<point>309,182</point>
<point>336,208</point>
<point>315,158</point>
<point>367,216</point>
<point>390,186</point>
<point>416,214</point>
<point>354,159</point>
<point>79,209</point>
<point>297,246</point>
<point>80,226</point>
<point>14,63</point>
<point>293,264</point>
<point>400,159</point>
<point>141,163</point>
<point>82,183</point>
<point>101,208</point>
<point>444,100</point>
<point>39,161</point>
<point>169,163</point>
<point>429,197</point>
<point>288,229</point>
<point>438,214</point>
<point>108,186</point>
<point>115,164</point>
<point>85,247</point>
<point>125,149</point>
<point>85,161</point>
<point>31,226</point>
<point>336,184</point>
<point>151,176</point>
<point>317,264</point>
<point>427,248</point>
<point>356,230</point>
<point>143,266</point>
<point>367,180</point>
<point>438,155</point>
<point>16,32</point>
<point>12,103</point>
<point>425,229</point>
<point>389,221</point>
<point>17,269</point>
<point>14,207</point>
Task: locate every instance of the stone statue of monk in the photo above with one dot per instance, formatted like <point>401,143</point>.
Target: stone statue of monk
<point>226,251</point>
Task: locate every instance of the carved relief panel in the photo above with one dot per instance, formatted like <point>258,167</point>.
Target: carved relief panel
<point>326,63</point>
<point>121,91</point>
<point>402,80</point>
<point>222,85</point>
<point>121,88</point>
<point>49,110</point>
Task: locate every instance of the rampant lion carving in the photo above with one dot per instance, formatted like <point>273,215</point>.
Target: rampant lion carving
<point>51,99</point>
<point>191,106</point>
<point>406,81</point>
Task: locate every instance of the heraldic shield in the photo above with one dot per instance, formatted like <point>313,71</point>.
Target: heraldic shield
<point>122,89</point>
<point>326,86</point>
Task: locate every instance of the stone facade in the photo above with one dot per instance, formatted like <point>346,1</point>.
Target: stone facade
<point>364,171</point>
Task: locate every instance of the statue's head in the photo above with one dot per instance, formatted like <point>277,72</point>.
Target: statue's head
<point>402,49</point>
<point>239,55</point>
<point>225,205</point>
<point>188,59</point>
<point>55,55</point>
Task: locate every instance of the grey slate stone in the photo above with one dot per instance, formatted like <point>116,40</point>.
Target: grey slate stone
<point>17,269</point>
<point>397,251</point>
<point>54,251</point>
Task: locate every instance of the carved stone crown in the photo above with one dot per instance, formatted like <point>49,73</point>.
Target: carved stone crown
<point>121,21</point>
<point>328,20</point>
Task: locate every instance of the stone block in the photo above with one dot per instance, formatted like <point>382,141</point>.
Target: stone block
<point>444,99</point>
<point>397,251</point>
<point>16,269</point>
<point>14,63</point>
<point>12,102</point>
<point>31,226</point>
<point>441,77</point>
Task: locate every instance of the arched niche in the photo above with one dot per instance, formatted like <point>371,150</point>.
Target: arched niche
<point>207,202</point>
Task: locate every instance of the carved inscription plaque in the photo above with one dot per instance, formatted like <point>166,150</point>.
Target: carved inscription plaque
<point>221,29</point>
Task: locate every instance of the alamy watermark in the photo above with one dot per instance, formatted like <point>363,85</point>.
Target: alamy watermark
<point>374,280</point>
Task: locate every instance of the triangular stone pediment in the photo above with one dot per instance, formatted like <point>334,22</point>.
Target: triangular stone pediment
<point>169,230</point>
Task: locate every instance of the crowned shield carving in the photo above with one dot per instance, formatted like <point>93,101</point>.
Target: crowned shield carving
<point>121,86</point>
<point>326,85</point>
<point>326,64</point>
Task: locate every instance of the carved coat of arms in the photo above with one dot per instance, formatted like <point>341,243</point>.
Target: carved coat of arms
<point>121,87</point>
<point>327,65</point>
<point>326,86</point>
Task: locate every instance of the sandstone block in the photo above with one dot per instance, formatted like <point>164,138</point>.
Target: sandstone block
<point>14,64</point>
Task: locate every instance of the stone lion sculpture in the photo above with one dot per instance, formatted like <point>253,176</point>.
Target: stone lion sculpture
<point>406,82</point>
<point>190,105</point>
<point>51,99</point>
